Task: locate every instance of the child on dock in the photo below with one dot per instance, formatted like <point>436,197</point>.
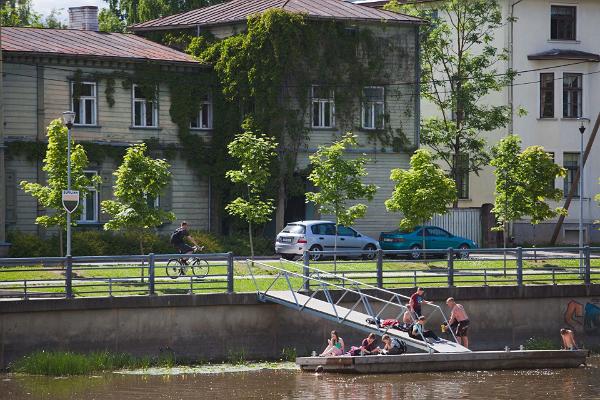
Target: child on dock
<point>568,339</point>
<point>335,346</point>
<point>419,331</point>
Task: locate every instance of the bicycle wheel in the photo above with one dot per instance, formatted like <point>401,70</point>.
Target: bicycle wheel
<point>173,268</point>
<point>200,268</point>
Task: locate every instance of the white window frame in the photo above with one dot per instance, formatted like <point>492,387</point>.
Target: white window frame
<point>156,201</point>
<point>371,105</point>
<point>209,125</point>
<point>82,113</point>
<point>93,188</point>
<point>322,103</point>
<point>143,109</point>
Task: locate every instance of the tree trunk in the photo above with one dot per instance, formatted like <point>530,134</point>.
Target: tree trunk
<point>505,239</point>
<point>335,247</point>
<point>280,211</point>
<point>424,245</point>
<point>142,253</point>
<point>251,243</point>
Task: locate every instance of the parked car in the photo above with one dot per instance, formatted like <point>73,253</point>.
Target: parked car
<point>317,236</point>
<point>435,238</point>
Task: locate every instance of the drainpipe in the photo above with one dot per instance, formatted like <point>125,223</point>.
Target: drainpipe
<point>2,166</point>
<point>511,34</point>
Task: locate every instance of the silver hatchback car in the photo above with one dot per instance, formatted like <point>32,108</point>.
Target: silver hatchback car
<point>317,236</point>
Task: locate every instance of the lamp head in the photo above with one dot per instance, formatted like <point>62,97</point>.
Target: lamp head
<point>68,118</point>
<point>584,122</point>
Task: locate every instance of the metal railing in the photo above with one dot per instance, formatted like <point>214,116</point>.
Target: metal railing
<point>452,267</point>
<point>323,283</point>
<point>150,274</point>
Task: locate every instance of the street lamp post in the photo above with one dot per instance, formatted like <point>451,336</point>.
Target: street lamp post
<point>581,194</point>
<point>68,119</point>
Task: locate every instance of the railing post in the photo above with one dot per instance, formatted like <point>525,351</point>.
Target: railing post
<point>587,276</point>
<point>230,272</point>
<point>151,274</point>
<point>519,266</point>
<point>380,268</point>
<point>69,278</point>
<point>450,266</point>
<point>306,270</point>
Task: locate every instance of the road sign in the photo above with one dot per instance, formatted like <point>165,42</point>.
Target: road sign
<point>70,200</point>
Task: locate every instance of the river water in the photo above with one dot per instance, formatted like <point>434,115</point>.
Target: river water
<point>283,381</point>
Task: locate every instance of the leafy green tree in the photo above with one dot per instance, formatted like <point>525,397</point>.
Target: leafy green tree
<point>524,183</point>
<point>459,68</point>
<point>19,13</point>
<point>133,11</point>
<point>108,21</point>
<point>140,180</point>
<point>339,180</point>
<point>255,153</point>
<point>55,166</point>
<point>420,192</point>
<point>53,21</point>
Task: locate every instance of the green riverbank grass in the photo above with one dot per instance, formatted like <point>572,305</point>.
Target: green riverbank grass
<point>58,363</point>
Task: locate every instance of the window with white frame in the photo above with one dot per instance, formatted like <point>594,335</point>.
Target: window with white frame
<point>151,201</point>
<point>323,107</point>
<point>572,95</point>
<point>145,111</point>
<point>203,119</point>
<point>84,102</point>
<point>89,204</point>
<point>373,107</point>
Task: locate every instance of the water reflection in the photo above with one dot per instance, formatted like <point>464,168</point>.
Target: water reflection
<point>582,383</point>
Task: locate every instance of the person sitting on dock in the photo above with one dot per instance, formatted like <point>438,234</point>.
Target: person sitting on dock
<point>367,347</point>
<point>335,346</point>
<point>392,346</point>
<point>459,321</point>
<point>416,300</point>
<point>419,331</point>
<point>568,339</point>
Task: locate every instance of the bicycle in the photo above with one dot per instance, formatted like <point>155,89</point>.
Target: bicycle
<point>177,267</point>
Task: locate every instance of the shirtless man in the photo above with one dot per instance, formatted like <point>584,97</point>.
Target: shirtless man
<point>459,321</point>
<point>568,339</point>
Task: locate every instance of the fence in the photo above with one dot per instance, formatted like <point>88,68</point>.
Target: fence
<point>451,267</point>
<point>115,275</point>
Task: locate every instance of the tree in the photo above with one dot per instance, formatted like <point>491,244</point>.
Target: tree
<point>19,13</point>
<point>524,183</point>
<point>55,166</point>
<point>459,68</point>
<point>108,21</point>
<point>140,180</point>
<point>420,192</point>
<point>134,11</point>
<point>255,153</point>
<point>339,181</point>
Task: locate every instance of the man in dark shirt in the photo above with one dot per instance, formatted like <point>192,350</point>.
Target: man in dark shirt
<point>369,345</point>
<point>416,300</point>
<point>178,239</point>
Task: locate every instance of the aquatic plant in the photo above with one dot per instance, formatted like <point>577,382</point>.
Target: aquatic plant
<point>237,357</point>
<point>534,343</point>
<point>288,354</point>
<point>59,363</point>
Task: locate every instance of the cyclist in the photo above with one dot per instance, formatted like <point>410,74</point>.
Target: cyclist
<point>178,240</point>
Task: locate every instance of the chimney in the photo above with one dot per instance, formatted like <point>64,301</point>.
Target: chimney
<point>84,18</point>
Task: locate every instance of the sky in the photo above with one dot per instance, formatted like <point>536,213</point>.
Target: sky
<point>45,6</point>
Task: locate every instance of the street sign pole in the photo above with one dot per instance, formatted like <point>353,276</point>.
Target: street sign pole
<point>68,188</point>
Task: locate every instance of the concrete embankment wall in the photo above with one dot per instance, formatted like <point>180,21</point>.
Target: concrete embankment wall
<point>214,327</point>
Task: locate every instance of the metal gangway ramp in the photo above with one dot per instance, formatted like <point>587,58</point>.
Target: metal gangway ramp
<point>321,282</point>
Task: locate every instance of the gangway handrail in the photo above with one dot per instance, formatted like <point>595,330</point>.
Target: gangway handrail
<point>286,273</point>
<point>372,288</point>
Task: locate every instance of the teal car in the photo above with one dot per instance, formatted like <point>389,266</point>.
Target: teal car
<point>435,238</point>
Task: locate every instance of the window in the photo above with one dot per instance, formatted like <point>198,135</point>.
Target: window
<point>571,164</point>
<point>84,102</point>
<point>461,164</point>
<point>551,183</point>
<point>437,232</point>
<point>572,95</point>
<point>204,118</point>
<point>563,22</point>
<point>547,95</point>
<point>323,107</point>
<point>345,231</point>
<point>293,228</point>
<point>152,202</point>
<point>145,112</point>
<point>89,204</point>
<point>373,108</point>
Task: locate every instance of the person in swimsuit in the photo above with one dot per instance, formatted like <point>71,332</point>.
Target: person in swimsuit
<point>568,339</point>
<point>459,321</point>
<point>335,346</point>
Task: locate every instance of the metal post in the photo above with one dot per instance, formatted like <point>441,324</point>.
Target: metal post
<point>450,266</point>
<point>230,272</point>
<point>519,266</point>
<point>69,278</point>
<point>587,275</point>
<point>581,195</point>
<point>380,268</point>
<point>151,290</point>
<point>69,188</point>
<point>305,270</point>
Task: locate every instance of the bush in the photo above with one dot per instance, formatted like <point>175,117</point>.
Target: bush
<point>100,243</point>
<point>540,344</point>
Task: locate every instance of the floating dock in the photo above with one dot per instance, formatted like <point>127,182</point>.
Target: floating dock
<point>435,362</point>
